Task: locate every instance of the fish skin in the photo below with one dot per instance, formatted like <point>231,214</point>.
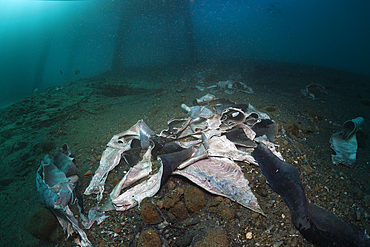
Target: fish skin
<point>55,190</point>
<point>112,155</point>
<point>221,176</point>
<point>315,223</point>
<point>110,159</point>
<point>133,196</point>
<point>137,172</point>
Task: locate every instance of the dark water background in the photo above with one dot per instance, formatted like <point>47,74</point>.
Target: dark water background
<point>43,43</point>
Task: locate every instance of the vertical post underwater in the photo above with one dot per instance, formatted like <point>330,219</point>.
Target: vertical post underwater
<point>189,33</point>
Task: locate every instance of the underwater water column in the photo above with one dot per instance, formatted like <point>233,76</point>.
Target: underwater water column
<point>37,82</point>
<point>189,32</point>
<point>124,23</point>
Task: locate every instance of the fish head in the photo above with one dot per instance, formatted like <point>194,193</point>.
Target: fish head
<point>125,201</point>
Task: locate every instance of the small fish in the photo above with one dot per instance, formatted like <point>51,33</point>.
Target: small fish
<point>77,71</point>
<point>61,72</point>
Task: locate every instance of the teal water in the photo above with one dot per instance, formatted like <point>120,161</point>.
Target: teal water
<point>45,43</point>
<point>79,72</point>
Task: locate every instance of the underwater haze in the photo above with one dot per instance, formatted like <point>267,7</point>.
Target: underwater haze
<point>49,43</point>
<point>156,118</point>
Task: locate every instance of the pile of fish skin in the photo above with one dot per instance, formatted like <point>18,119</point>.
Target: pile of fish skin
<point>202,146</point>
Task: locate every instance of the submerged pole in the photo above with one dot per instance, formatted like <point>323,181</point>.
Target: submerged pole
<point>192,54</point>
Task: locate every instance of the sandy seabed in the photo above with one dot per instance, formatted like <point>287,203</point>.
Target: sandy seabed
<point>88,112</point>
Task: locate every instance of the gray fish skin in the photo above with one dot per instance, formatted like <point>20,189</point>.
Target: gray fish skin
<point>315,223</point>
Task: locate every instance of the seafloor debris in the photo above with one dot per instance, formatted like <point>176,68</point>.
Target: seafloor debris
<point>344,142</point>
<point>315,223</point>
<point>55,181</point>
<point>314,90</point>
<point>229,87</point>
<point>203,147</point>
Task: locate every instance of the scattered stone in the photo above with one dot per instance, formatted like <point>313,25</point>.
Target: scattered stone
<point>292,129</point>
<point>117,229</point>
<point>278,213</point>
<point>263,179</point>
<point>358,215</point>
<point>307,131</point>
<point>160,204</point>
<point>215,238</point>
<point>270,109</point>
<point>185,239</point>
<point>313,114</point>
<point>260,190</point>
<point>103,244</point>
<point>219,198</point>
<point>149,238</point>
<point>255,215</point>
<point>171,185</point>
<point>44,225</point>
<point>88,174</point>
<point>227,213</point>
<point>171,199</point>
<point>194,199</point>
<point>213,205</point>
<point>249,235</point>
<point>367,200</point>
<point>357,194</point>
<point>149,213</point>
<point>179,210</point>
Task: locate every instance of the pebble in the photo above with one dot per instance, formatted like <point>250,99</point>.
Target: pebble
<point>117,229</point>
<point>194,199</point>
<point>149,213</point>
<point>215,237</point>
<point>149,238</point>
<point>358,215</point>
<point>88,173</point>
<point>255,215</point>
<point>179,210</point>
<point>261,191</point>
<point>227,213</point>
<point>249,235</point>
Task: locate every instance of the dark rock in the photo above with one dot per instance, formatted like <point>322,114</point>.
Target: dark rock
<point>270,109</point>
<point>292,129</point>
<point>308,131</point>
<point>185,240</point>
<point>149,238</point>
<point>357,194</point>
<point>260,190</point>
<point>149,213</point>
<point>44,225</point>
<point>194,199</point>
<point>226,212</point>
<point>215,238</point>
<point>179,210</point>
<point>172,199</point>
<point>314,115</point>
